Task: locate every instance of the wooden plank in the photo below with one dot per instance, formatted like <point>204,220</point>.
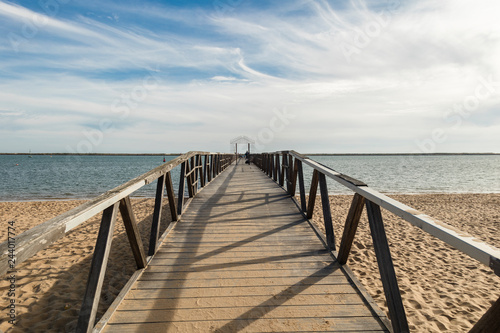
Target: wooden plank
<point>189,178</point>
<point>312,194</point>
<point>386,268</point>
<point>151,274</point>
<point>237,301</point>
<point>320,289</point>
<point>290,172</point>
<point>327,214</point>
<point>316,280</point>
<point>326,324</point>
<point>171,196</point>
<point>133,234</point>
<point>97,270</point>
<point>490,321</point>
<point>155,223</point>
<point>283,169</point>
<point>351,225</point>
<point>180,195</point>
<point>302,191</point>
<point>265,311</point>
<point>203,171</point>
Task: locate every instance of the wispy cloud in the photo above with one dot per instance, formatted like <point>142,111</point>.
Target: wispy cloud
<point>359,76</point>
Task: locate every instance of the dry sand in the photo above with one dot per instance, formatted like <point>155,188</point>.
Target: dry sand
<point>443,290</point>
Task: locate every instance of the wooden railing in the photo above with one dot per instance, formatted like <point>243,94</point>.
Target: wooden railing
<point>286,168</point>
<point>197,170</point>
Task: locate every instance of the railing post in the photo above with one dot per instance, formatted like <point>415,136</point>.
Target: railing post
<point>284,164</point>
<point>386,268</point>
<point>155,224</point>
<point>298,164</point>
<point>97,271</point>
<point>204,171</point>
<point>277,168</point>
<point>171,197</point>
<point>291,175</point>
<point>351,225</point>
<point>293,178</point>
<point>271,165</point>
<point>327,214</point>
<point>133,234</point>
<point>312,194</point>
<point>180,196</point>
<point>210,168</point>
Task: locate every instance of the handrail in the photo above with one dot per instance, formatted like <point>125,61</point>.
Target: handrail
<point>285,168</point>
<point>38,238</point>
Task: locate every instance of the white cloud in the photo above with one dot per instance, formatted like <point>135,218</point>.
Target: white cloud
<point>228,74</point>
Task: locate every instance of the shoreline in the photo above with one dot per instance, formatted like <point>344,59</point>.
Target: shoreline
<point>306,154</point>
<point>390,194</point>
<point>442,289</point>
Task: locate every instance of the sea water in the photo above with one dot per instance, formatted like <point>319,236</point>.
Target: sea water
<point>43,177</point>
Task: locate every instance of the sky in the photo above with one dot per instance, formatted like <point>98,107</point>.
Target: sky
<point>380,76</point>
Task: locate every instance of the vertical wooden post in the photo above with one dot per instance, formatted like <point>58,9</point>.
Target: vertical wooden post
<point>293,178</point>
<point>351,225</point>
<point>171,196</point>
<point>97,271</point>
<point>282,169</point>
<point>204,171</point>
<point>180,196</point>
<point>155,223</point>
<point>133,234</point>
<point>277,168</point>
<point>298,167</point>
<point>189,177</point>
<point>291,175</point>
<point>197,173</point>
<point>271,158</point>
<point>210,168</point>
<point>312,194</point>
<point>327,214</point>
<point>386,268</point>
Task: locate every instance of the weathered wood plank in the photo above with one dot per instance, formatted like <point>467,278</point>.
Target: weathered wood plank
<point>327,214</point>
<point>155,223</point>
<point>171,196</point>
<point>133,234</point>
<point>182,184</point>
<point>312,194</point>
<point>351,225</point>
<point>252,300</point>
<point>97,270</point>
<point>386,268</point>
<point>265,311</point>
<point>326,324</point>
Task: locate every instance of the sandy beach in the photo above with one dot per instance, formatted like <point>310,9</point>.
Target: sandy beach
<point>443,290</point>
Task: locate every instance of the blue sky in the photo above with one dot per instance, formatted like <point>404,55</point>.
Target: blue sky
<point>313,76</point>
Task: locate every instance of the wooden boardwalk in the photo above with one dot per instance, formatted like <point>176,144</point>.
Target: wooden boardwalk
<point>244,259</point>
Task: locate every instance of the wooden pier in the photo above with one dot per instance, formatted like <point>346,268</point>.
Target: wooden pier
<point>240,253</point>
<point>244,259</point>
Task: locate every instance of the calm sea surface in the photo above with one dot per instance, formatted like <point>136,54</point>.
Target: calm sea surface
<point>68,177</point>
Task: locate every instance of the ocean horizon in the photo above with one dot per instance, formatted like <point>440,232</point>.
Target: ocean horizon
<point>83,176</point>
